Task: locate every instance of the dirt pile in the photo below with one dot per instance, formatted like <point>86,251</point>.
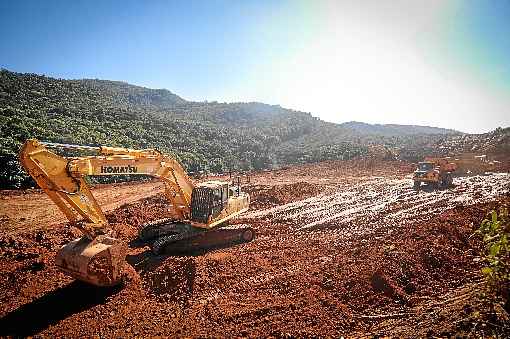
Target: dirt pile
<point>134,214</point>
<point>494,142</point>
<point>265,196</point>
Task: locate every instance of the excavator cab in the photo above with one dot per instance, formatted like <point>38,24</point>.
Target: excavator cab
<point>208,200</point>
<point>213,203</point>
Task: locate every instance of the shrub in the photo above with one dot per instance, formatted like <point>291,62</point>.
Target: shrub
<point>495,233</point>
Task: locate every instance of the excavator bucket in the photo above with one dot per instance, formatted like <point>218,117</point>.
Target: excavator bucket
<point>98,262</point>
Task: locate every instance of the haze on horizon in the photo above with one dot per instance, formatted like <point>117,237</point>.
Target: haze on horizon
<point>434,63</point>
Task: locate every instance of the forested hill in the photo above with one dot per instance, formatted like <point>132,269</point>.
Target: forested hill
<point>205,136</point>
<point>393,129</point>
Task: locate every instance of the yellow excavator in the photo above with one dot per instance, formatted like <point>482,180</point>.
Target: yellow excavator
<point>200,211</point>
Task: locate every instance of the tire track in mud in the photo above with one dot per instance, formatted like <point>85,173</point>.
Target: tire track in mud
<point>319,258</point>
<point>376,206</point>
<point>381,202</point>
<point>307,272</point>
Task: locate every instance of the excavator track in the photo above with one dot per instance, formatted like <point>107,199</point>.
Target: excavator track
<point>160,245</point>
<point>157,228</point>
<point>168,237</point>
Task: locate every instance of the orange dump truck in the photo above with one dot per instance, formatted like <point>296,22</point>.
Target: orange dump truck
<point>436,172</point>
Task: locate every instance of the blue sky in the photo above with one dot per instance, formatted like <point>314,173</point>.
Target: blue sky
<point>439,63</point>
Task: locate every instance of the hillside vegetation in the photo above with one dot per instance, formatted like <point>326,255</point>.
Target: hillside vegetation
<point>204,136</point>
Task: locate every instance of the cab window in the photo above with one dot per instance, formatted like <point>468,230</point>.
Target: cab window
<point>425,166</point>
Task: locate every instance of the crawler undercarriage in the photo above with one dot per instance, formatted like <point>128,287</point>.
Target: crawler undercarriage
<point>167,236</point>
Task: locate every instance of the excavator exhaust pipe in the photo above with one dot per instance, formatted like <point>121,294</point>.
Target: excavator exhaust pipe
<point>98,262</point>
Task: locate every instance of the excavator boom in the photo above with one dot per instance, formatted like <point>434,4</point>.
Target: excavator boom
<point>63,178</point>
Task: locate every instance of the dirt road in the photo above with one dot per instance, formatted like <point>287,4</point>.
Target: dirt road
<point>34,209</point>
<point>354,251</point>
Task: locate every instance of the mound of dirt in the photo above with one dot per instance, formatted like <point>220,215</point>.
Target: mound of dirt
<point>135,214</point>
<point>264,196</point>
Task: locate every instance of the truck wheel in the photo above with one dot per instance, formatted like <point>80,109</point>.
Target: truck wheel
<point>443,183</point>
<point>417,185</point>
<point>248,235</point>
<point>433,185</point>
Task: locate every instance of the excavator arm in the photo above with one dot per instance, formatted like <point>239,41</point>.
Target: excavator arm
<point>98,257</point>
<point>63,179</point>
